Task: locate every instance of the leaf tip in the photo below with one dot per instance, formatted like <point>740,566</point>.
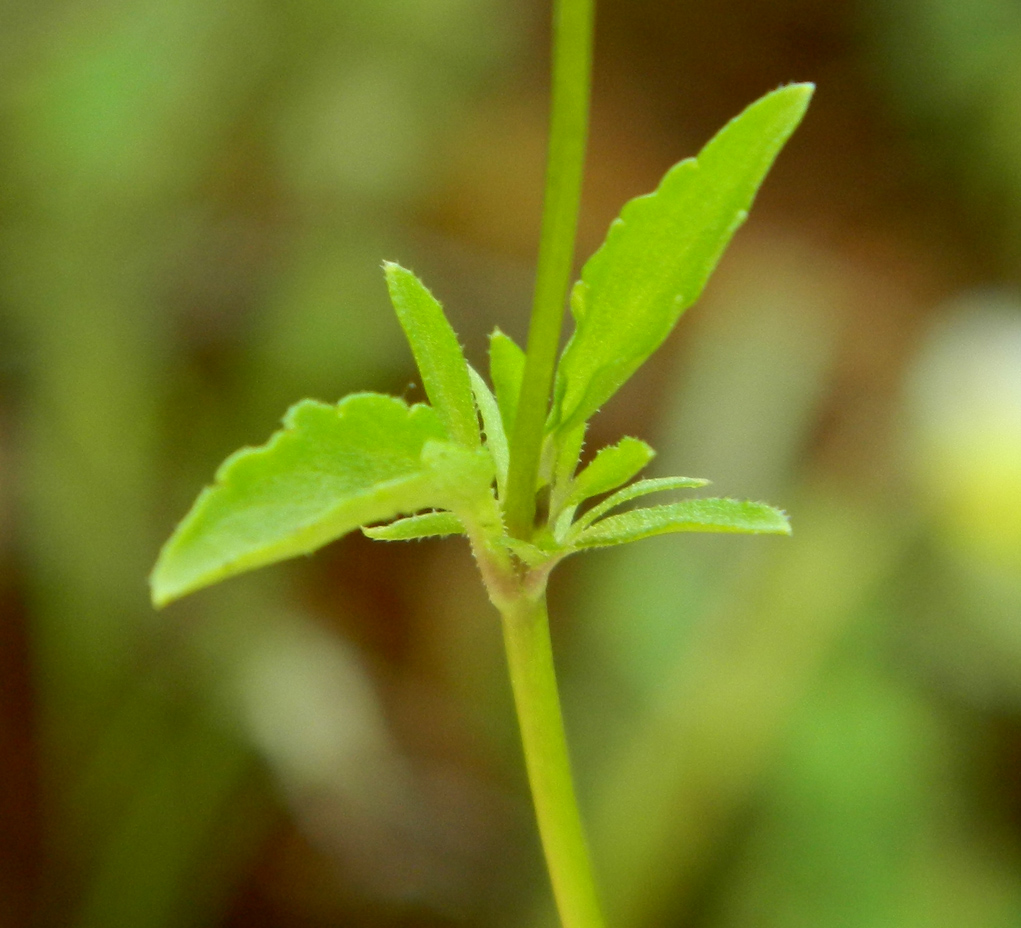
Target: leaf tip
<point>780,522</point>
<point>162,592</point>
<point>799,94</point>
<point>770,519</point>
<point>391,271</point>
<point>172,577</point>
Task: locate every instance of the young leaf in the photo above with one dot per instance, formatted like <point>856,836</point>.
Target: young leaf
<point>658,255</point>
<point>692,515</point>
<point>525,551</point>
<point>506,368</point>
<point>492,422</point>
<point>437,352</point>
<point>426,525</point>
<point>330,470</point>
<point>633,491</point>
<point>611,467</point>
<point>564,449</point>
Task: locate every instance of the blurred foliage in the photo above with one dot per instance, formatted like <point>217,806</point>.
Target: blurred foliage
<point>194,202</point>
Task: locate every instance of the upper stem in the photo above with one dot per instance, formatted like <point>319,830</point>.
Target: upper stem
<point>530,656</point>
<point>572,76</point>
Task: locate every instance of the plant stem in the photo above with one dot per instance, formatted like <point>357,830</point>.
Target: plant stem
<point>572,77</point>
<point>525,622</point>
<point>530,656</point>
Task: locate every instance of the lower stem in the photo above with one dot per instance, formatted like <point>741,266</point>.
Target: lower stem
<point>533,679</point>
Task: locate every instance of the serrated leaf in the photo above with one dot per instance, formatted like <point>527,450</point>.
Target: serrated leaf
<point>330,470</point>
<point>659,254</point>
<point>564,449</point>
<point>506,369</point>
<point>634,491</point>
<point>692,515</point>
<point>611,467</point>
<point>492,423</point>
<point>437,352</point>
<point>426,525</point>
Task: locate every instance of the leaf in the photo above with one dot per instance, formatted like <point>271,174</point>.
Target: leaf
<point>562,450</point>
<point>633,491</point>
<point>611,467</point>
<point>659,254</point>
<point>330,470</point>
<point>692,515</point>
<point>463,480</point>
<point>437,352</point>
<point>426,525</point>
<point>492,422</point>
<point>506,370</point>
<point>530,554</point>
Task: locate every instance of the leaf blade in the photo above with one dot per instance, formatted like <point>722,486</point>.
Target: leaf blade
<point>425,525</point>
<point>492,423</point>
<point>693,515</point>
<point>529,554</point>
<point>437,353</point>
<point>506,370</point>
<point>328,471</point>
<point>634,491</point>
<point>612,466</point>
<point>659,254</point>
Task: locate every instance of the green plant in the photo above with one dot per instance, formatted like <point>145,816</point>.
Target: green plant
<point>513,487</point>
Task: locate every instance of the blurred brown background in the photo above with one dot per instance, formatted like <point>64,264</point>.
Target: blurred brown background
<point>195,197</point>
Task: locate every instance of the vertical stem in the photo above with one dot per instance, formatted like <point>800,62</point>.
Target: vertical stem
<point>530,656</point>
<point>525,622</point>
<point>572,70</point>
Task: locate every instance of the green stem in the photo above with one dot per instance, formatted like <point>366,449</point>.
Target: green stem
<point>530,656</point>
<point>525,623</point>
<point>572,70</point>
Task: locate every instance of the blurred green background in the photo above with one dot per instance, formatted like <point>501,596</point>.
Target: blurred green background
<point>821,732</point>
